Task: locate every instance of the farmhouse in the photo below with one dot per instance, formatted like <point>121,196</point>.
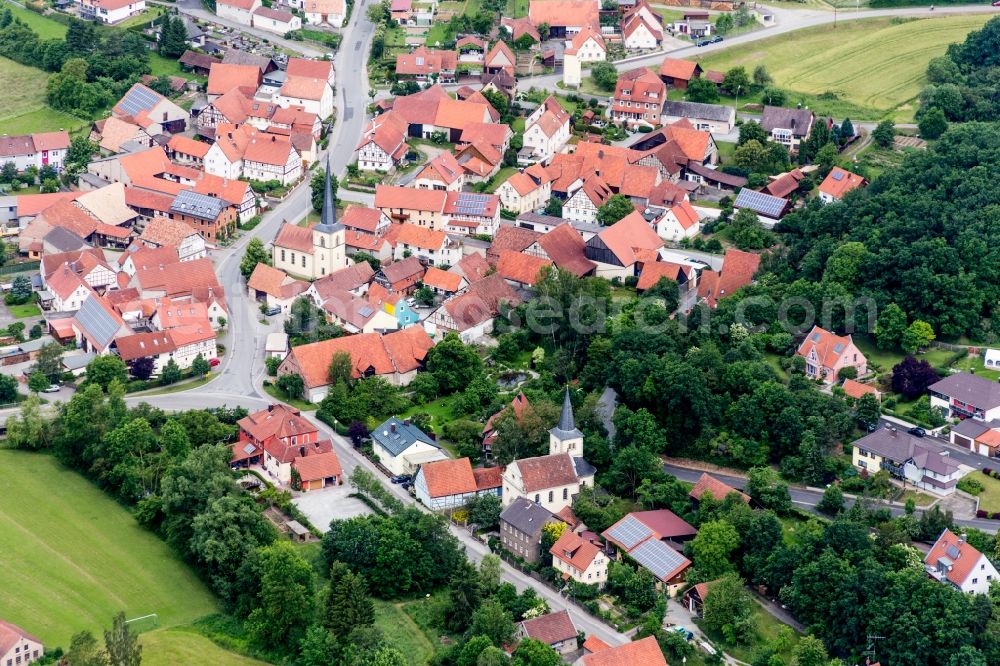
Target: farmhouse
<point>621,249</point>
<point>239,11</point>
<point>446,484</point>
<point>643,536</point>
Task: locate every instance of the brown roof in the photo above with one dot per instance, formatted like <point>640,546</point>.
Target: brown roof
<point>676,68</point>
<point>199,60</point>
<point>510,237</point>
<point>403,270</point>
<point>278,420</point>
<point>550,629</point>
<point>644,652</point>
<point>629,235</point>
<point>718,489</point>
<point>318,466</point>
<point>222,78</point>
<point>488,478</point>
<point>578,553</point>
<point>857,389</point>
<point>565,247</point>
<point>180,278</point>
<point>481,302</point>
<point>289,453</point>
<point>275,282</point>
<point>562,13</point>
<point>520,268</point>
<point>472,266</point>
<point>449,477</point>
<point>65,214</point>
<point>346,279</point>
<point>165,231</point>
<point>294,237</point>
<point>546,471</point>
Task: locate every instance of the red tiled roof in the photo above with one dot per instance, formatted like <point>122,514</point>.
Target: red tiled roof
<point>856,389</point>
<point>563,13</point>
<point>318,466</point>
<point>165,231</point>
<point>408,198</point>
<point>594,644</point>
<point>445,280</point>
<point>629,235</point>
<point>222,78</point>
<point>11,634</point>
<point>449,477</point>
<point>718,489</point>
<point>839,182</point>
<point>294,237</point>
<point>644,652</point>
<point>651,273</point>
<point>275,282</point>
<point>738,268</point>
<point>677,68</point>
<point>551,628</point>
<point>546,471</point>
<point>963,565</point>
<point>424,61</point>
<point>829,346</point>
<point>576,552</point>
<point>278,420</point>
<point>472,266</point>
<point>520,268</point>
<point>488,478</point>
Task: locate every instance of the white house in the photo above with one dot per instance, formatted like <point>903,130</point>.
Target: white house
<point>275,20</point>
<point>581,560</point>
<point>589,46</point>
<point>678,222</point>
<point>572,71</point>
<point>547,130</point>
<point>272,157</point>
<point>181,344</point>
<point>68,290</point>
<point>526,190</point>
<point>642,28</point>
<point>224,159</point>
<point>964,395</point>
<point>383,145</point>
<point>314,95</point>
<point>167,232</point>
<point>37,150</point>
<point>330,12</point>
<point>109,11</point>
<point>402,447</point>
<point>582,204</point>
<point>952,560</point>
<point>428,245</point>
<point>238,11</point>
<point>18,646</point>
<point>445,484</point>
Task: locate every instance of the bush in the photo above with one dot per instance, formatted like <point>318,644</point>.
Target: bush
<point>970,485</point>
<point>982,514</point>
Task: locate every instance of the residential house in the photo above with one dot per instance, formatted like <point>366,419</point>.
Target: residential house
<point>519,27</point>
<point>441,173</point>
<point>354,279</point>
<point>678,222</point>
<point>17,646</point>
<point>330,12</point>
<point>471,314</point>
<point>472,267</point>
<point>278,21</point>
<point>564,17</point>
<point>964,395</point>
<point>553,629</point>
<point>952,559</point>
<point>908,459</point>
<point>621,249</point>
<point>826,354</point>
<point>181,344</point>
<point>109,11</point>
<point>838,183</point>
<point>645,651</point>
<point>429,246</point>
<point>977,436</point>
<point>360,314</point>
<point>95,326</point>
<point>420,207</point>
<point>713,118</point>
<point>238,11</point>
<point>319,470</point>
<point>272,157</point>
<point>274,287</point>
<point>383,144</point>
<point>694,24</point>
<point>499,59</point>
<point>401,276</point>
<point>638,98</point>
<point>521,271</point>
<point>564,246</point>
<point>685,276</point>
<point>313,94</point>
<point>433,111</point>
<point>547,130</point>
<point>316,250</point>
<point>402,11</point>
<point>394,304</point>
<point>526,190</point>
<point>395,357</point>
<point>282,435</point>
<point>168,232</point>
<point>424,64</point>
<point>738,268</point>
<point>589,45</point>
<point>37,150</point>
<point>212,217</point>
<point>402,447</point>
<point>582,204</point>
<point>580,560</point>
<point>715,488</point>
<point>857,390</point>
<point>89,264</point>
<point>642,28</point>
<point>68,290</point>
<point>222,78</point>
<point>643,537</point>
<point>444,283</point>
<point>521,526</point>
<point>312,69</point>
<point>789,127</point>
<point>447,484</point>
<point>679,73</point>
<point>185,150</point>
<point>150,110</point>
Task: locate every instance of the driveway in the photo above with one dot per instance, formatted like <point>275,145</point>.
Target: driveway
<point>332,503</point>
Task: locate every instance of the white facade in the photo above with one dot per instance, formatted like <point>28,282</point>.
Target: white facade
<point>275,25</point>
<point>238,12</point>
<point>408,460</point>
<point>447,255</point>
<point>640,38</point>
<point>322,107</point>
<point>25,650</point>
<point>112,12</point>
<point>511,200</point>
<point>372,158</point>
<point>579,208</point>
<point>595,574</point>
<point>591,51</point>
<point>669,228</point>
<point>541,144</point>
<point>70,302</point>
<point>287,173</point>
<point>572,73</point>
<point>217,164</point>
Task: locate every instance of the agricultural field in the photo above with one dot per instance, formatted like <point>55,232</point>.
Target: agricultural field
<point>878,64</point>
<point>168,647</point>
<point>71,557</point>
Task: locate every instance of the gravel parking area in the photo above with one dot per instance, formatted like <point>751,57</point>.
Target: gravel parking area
<point>332,503</point>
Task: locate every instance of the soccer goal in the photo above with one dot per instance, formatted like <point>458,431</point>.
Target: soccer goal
<point>143,623</point>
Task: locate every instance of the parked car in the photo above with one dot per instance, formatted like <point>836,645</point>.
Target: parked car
<point>715,40</point>
<point>917,432</point>
<point>401,478</point>
<point>997,3</point>
<point>683,632</point>
<point>703,42</point>
<point>273,310</point>
<point>213,362</point>
<point>53,388</point>
<point>406,485</point>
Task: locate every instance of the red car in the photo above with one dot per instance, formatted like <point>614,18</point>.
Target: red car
<point>213,362</point>
<point>997,3</point>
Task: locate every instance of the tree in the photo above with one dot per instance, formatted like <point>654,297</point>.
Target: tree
<point>173,37</point>
<point>38,382</point>
<point>171,373</point>
<point>463,597</point>
<point>752,156</point>
<point>485,510</point>
<point>348,604</point>
<point>490,570</point>
<point>832,501</point>
<point>84,650</point>
<point>867,410</point>
<point>8,390</point>
<point>341,368</point>
<point>318,647</point>
<point>632,466</point>
<point>492,621</point>
<point>910,377</point>
<point>454,364</point>
<point>286,597</point>
<point>890,327</point>
<point>774,96</point>
<point>121,644</point>
<point>531,652</point>
<point>724,24</point>
<point>736,81</point>
<point>826,159</point>
<point>604,75</point>
<point>810,651</point>
<point>615,208</point>
<point>20,290</point>
<point>424,295</point>
<point>388,656</point>
<point>746,230</point>
<point>81,150</point>
<point>884,134</point>
<point>702,90</point>
<point>761,77</point>
<point>105,369</point>
<point>917,336</point>
<point>728,610</point>
<point>292,385</point>
<point>498,101</point>
<point>713,547</point>
<point>199,366</point>
<point>751,130</point>
<point>254,254</point>
<point>318,188</point>
<point>29,429</point>
<point>847,131</point>
<point>142,368</point>
<point>764,486</point>
<point>933,124</point>
<point>492,656</point>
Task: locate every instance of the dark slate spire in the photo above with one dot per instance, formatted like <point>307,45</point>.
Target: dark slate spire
<point>328,214</point>
<point>566,418</point>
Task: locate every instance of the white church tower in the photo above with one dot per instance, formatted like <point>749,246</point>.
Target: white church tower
<point>329,243</point>
<point>565,437</point>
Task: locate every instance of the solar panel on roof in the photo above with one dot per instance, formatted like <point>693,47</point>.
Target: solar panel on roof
<point>366,311</point>
<point>838,175</point>
<point>953,552</point>
<point>765,204</point>
<point>249,448</point>
<point>97,321</point>
<point>629,532</point>
<point>660,559</point>
<point>138,99</point>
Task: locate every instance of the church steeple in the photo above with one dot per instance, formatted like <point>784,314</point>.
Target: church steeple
<point>565,437</point>
<point>328,214</point>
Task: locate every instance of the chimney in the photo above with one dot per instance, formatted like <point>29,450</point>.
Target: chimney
<point>406,421</point>
<point>961,538</point>
<point>392,427</point>
<point>302,451</point>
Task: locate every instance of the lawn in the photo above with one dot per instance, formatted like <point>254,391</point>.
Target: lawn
<point>887,358</point>
<point>974,364</point>
<point>919,498</point>
<point>499,179</point>
<point>160,66</point>
<point>168,647</point>
<point>24,110</point>
<point>26,310</point>
<point>774,361</point>
<point>438,34</point>
<point>301,405</point>
<point>767,630</point>
<point>403,633</point>
<point>878,64</point>
<point>45,27</point>
<point>71,557</point>
<point>989,499</point>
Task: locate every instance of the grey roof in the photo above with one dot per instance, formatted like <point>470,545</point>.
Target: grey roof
<point>900,447</point>
<point>198,205</point>
<point>583,468</point>
<point>778,117</point>
<point>328,216</point>
<point>526,516</point>
<point>36,344</point>
<point>763,204</point>
<point>238,57</point>
<point>970,389</point>
<point>716,175</point>
<point>77,361</point>
<point>395,436</point>
<point>716,112</point>
<point>97,322</point>
<point>63,240</point>
<point>566,429</point>
<point>660,559</point>
<point>971,427</point>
